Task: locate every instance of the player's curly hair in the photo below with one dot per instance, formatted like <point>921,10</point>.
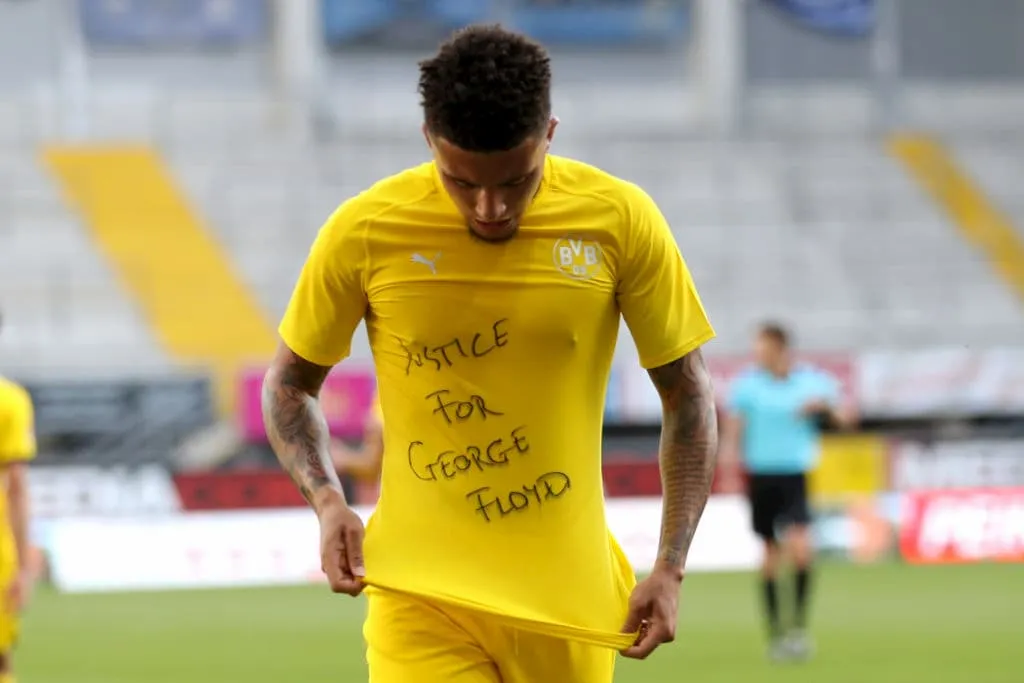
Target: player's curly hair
<point>487,89</point>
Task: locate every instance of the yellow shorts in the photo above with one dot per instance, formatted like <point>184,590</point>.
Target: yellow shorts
<point>9,625</point>
<point>413,639</point>
<point>8,618</point>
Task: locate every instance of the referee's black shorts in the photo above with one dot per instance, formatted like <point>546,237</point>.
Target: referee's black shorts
<point>778,500</point>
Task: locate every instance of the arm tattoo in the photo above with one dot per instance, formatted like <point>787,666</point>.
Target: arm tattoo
<point>296,425</point>
<point>689,447</point>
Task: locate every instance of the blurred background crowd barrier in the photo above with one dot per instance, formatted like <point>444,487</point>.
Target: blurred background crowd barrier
<point>854,169</point>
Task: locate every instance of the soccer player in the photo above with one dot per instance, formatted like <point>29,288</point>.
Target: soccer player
<point>776,410</point>
<point>492,281</point>
<point>363,463</point>
<point>17,447</point>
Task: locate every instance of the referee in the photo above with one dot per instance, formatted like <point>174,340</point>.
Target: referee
<point>776,412</point>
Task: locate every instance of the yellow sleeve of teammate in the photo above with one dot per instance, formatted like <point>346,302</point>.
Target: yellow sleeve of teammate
<point>17,425</point>
<point>329,299</point>
<point>656,294</point>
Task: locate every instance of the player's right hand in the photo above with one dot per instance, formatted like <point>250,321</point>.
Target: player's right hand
<point>341,547</point>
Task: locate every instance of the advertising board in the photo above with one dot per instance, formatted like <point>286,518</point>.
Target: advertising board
<point>961,463</point>
<point>884,384</point>
<point>77,491</point>
<point>220,549</point>
<point>961,526</point>
<point>345,399</point>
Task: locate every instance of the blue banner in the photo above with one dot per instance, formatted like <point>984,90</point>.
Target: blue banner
<point>602,23</point>
<point>853,18</point>
<point>173,23</point>
<point>591,22</point>
<point>346,20</point>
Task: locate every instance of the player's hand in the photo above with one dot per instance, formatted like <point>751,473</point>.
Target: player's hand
<point>341,547</point>
<point>20,591</point>
<point>653,609</point>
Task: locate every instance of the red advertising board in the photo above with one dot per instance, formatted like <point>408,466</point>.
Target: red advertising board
<point>271,488</point>
<point>246,490</point>
<point>961,526</point>
<point>345,398</point>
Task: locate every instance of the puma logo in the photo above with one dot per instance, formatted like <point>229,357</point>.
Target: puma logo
<point>429,263</point>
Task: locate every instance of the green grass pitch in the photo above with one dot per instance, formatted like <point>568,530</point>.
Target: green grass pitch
<point>881,624</point>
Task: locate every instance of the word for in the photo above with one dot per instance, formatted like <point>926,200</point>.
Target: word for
<point>548,487</point>
<point>459,411</point>
<point>445,355</point>
<point>449,464</point>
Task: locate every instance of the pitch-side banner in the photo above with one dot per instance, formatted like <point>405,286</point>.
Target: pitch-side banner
<point>641,402</point>
<point>941,381</point>
<point>961,526</point>
<point>200,550</point>
<point>883,384</point>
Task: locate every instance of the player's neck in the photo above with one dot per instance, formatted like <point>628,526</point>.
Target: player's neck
<point>780,369</point>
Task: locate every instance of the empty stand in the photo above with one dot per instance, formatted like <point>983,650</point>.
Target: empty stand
<point>831,236</point>
<point>63,308</point>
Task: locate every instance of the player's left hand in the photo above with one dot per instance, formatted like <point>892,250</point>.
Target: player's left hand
<point>19,591</point>
<point>653,609</point>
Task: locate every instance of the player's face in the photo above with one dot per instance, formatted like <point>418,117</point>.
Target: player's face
<point>492,189</point>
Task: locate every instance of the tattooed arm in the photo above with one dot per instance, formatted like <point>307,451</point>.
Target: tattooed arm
<point>297,428</point>
<point>689,446</point>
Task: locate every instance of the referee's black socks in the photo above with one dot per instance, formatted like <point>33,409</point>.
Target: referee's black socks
<point>771,605</point>
<point>803,586</point>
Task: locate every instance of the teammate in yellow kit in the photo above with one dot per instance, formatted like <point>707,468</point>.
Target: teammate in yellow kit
<point>365,462</point>
<point>17,447</point>
<point>492,281</point>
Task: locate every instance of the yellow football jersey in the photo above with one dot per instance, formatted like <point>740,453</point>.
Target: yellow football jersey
<point>17,444</point>
<point>17,428</point>
<point>492,365</point>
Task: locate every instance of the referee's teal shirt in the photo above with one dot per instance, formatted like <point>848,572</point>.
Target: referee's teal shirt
<point>777,437</point>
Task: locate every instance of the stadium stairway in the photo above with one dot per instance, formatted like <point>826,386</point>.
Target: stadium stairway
<point>200,312</point>
<point>63,310</point>
<point>991,179</point>
<point>831,236</point>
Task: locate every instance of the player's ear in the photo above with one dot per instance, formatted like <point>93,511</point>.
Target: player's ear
<point>426,136</point>
<point>552,124</point>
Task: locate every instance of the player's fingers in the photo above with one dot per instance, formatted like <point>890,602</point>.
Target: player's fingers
<point>349,586</point>
<point>344,581</point>
<point>334,565</point>
<point>354,551</point>
<point>651,638</point>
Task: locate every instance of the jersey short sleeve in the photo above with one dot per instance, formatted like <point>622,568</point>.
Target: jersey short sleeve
<point>656,294</point>
<point>329,299</point>
<point>17,426</point>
